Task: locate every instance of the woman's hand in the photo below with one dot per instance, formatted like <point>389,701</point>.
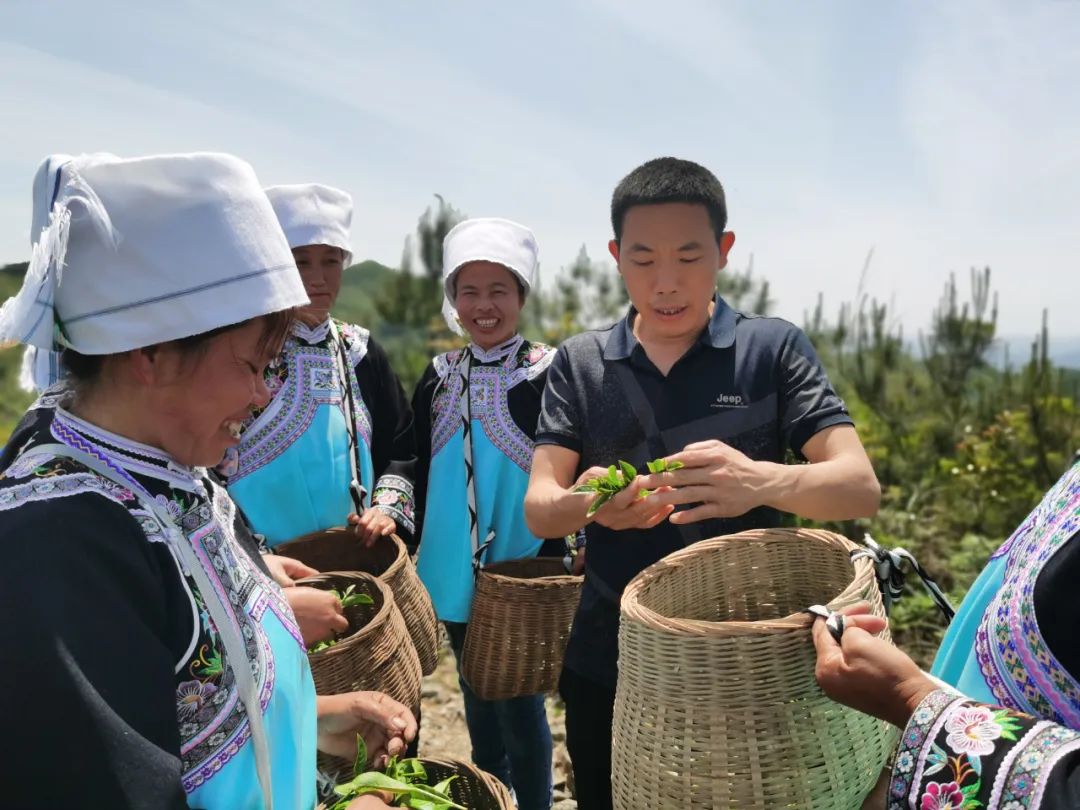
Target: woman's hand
<point>370,801</point>
<point>285,570</point>
<point>319,614</point>
<point>386,726</point>
<point>372,525</point>
<point>868,673</point>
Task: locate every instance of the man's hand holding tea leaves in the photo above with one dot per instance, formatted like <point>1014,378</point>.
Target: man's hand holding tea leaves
<point>723,481</point>
<point>619,497</point>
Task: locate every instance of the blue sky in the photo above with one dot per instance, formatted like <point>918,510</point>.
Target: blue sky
<point>940,135</point>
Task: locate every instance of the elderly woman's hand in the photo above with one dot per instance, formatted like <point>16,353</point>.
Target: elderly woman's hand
<point>868,673</point>
<point>386,726</point>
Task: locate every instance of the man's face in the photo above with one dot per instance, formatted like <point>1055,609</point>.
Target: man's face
<point>669,257</point>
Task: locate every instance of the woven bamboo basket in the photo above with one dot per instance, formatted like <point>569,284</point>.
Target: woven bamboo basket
<point>519,627</point>
<point>473,788</point>
<point>388,559</point>
<point>375,654</point>
<point>717,705</point>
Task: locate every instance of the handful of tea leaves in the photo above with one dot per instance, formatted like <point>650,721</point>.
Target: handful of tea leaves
<point>405,779</point>
<point>348,599</point>
<point>618,478</point>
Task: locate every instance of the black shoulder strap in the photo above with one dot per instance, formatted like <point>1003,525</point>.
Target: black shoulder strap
<point>654,439</point>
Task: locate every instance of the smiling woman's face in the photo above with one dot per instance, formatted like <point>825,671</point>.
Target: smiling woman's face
<point>488,300</point>
<point>201,399</point>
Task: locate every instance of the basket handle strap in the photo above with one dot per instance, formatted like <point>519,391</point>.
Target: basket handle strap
<point>888,568</point>
<point>479,550</point>
<point>356,489</point>
<point>235,650</point>
<point>654,438</point>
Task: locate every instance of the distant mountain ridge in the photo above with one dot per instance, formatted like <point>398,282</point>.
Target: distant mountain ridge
<point>362,282</point>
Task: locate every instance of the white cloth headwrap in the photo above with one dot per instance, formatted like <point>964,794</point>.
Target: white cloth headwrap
<point>41,367</point>
<point>313,214</point>
<point>146,250</point>
<point>486,239</point>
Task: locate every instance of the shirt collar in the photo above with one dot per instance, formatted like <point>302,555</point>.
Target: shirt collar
<point>132,456</point>
<point>719,333</point>
<point>496,353</point>
<point>311,335</point>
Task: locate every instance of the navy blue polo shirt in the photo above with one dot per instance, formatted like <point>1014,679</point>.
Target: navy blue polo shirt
<point>752,382</point>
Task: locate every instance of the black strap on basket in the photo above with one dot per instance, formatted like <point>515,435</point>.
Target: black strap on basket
<point>888,568</point>
<point>357,491</point>
<point>478,549</point>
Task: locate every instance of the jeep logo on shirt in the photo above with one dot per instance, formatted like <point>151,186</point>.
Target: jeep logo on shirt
<point>728,401</point>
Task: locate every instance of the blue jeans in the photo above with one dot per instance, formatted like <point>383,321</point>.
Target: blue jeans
<point>510,738</point>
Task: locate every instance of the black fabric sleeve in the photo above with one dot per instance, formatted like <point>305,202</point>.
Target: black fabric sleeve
<point>421,408</point>
<point>88,686</point>
<point>393,439</point>
<point>956,752</point>
<point>560,412</point>
<point>1057,610</point>
<point>808,404</point>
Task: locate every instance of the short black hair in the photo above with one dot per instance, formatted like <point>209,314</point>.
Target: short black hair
<point>669,180</point>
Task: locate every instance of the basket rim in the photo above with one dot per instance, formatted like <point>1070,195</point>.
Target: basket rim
<point>631,607</point>
<point>497,789</point>
<point>391,570</point>
<point>382,615</point>
<point>546,579</point>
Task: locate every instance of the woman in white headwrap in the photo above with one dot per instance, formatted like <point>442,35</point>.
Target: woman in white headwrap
<point>148,660</point>
<point>335,443</point>
<point>472,474</point>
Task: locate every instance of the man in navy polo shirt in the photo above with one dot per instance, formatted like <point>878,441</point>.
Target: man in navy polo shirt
<point>682,376</point>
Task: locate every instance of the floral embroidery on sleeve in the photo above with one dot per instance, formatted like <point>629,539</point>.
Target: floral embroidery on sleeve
<point>393,495</point>
<point>956,754</point>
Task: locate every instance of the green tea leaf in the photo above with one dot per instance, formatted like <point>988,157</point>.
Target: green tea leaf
<point>357,599</point>
<point>613,476</point>
<point>628,470</point>
<point>601,499</point>
<point>411,770</point>
<point>360,761</point>
<point>371,781</point>
<point>417,803</point>
<point>660,465</point>
<point>444,786</point>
